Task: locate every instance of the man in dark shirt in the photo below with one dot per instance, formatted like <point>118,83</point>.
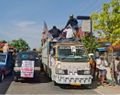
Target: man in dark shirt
<point>72,22</point>
<point>55,32</point>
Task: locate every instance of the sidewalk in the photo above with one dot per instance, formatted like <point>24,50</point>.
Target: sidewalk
<point>108,90</point>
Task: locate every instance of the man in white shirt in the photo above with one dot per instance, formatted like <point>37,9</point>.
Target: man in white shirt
<point>101,65</point>
<point>69,32</point>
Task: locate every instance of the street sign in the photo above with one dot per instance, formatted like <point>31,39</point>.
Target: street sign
<point>86,26</point>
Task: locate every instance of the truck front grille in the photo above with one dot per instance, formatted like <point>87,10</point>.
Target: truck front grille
<point>80,72</point>
<point>66,72</point>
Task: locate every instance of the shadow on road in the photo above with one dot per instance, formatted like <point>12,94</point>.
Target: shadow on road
<point>43,79</point>
<point>4,85</point>
<point>82,87</point>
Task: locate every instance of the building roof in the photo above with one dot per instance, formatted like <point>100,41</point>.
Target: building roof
<point>2,45</point>
<point>116,47</point>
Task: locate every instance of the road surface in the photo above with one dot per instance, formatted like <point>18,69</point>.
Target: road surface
<point>45,86</point>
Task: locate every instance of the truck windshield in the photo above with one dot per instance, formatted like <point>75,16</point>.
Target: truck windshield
<point>65,54</point>
<point>2,58</point>
<point>28,56</point>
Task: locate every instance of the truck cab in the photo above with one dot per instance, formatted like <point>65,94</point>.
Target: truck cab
<point>68,64</point>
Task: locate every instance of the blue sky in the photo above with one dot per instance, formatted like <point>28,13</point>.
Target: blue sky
<point>25,18</point>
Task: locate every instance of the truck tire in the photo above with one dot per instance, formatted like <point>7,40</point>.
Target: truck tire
<point>41,68</point>
<point>90,86</point>
<point>55,84</point>
<point>49,73</point>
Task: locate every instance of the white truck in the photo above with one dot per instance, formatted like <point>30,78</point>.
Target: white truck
<point>66,62</point>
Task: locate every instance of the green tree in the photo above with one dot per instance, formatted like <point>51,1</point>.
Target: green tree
<point>20,45</point>
<point>109,21</point>
<point>90,44</point>
<point>3,41</point>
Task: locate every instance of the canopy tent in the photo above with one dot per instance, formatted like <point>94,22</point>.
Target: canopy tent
<point>102,49</point>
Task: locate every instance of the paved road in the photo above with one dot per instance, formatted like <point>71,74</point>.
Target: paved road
<point>4,85</point>
<point>45,86</point>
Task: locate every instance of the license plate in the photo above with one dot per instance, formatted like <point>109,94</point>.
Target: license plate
<point>76,84</point>
<point>27,75</point>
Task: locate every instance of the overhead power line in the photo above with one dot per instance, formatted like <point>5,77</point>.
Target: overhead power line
<point>89,6</point>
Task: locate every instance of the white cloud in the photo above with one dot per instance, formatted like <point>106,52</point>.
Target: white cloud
<point>28,30</point>
<point>23,24</point>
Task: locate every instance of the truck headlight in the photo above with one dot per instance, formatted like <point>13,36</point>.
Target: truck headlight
<point>87,72</point>
<point>59,70</point>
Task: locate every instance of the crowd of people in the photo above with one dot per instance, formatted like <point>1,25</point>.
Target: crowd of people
<point>101,69</point>
<point>69,31</point>
<point>104,72</point>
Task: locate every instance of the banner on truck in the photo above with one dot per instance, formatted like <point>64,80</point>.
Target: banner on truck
<point>27,69</point>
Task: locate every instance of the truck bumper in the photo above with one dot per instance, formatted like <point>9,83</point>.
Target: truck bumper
<point>68,79</point>
<point>17,69</point>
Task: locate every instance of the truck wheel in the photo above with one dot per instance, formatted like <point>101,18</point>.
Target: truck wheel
<point>41,68</point>
<point>49,73</point>
<point>44,68</point>
<point>56,84</point>
<point>90,86</point>
<point>2,76</point>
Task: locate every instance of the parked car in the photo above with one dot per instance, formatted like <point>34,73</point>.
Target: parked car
<point>27,65</point>
<point>5,65</point>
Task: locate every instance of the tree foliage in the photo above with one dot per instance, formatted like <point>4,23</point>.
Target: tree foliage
<point>90,44</point>
<point>109,21</point>
<point>20,45</point>
<point>3,41</point>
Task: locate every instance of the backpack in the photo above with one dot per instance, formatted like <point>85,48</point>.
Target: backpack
<point>118,67</point>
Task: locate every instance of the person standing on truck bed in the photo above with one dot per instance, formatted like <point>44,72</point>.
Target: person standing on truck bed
<point>69,32</point>
<point>55,32</point>
<point>72,22</point>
